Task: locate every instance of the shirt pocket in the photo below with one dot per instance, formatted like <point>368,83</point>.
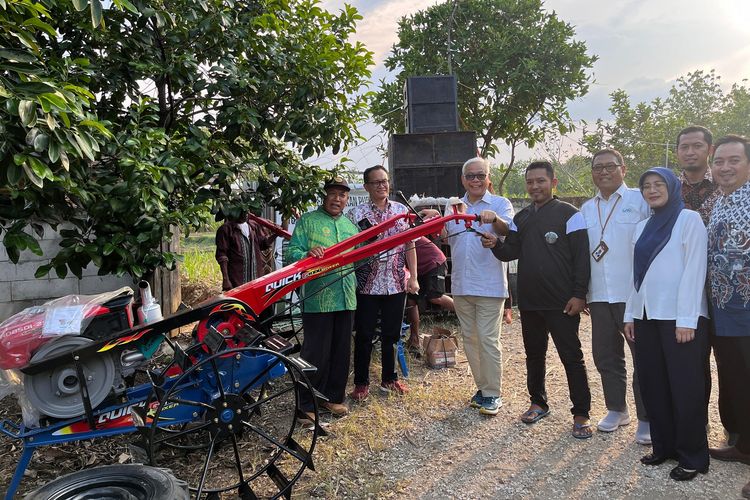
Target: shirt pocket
<point>591,220</point>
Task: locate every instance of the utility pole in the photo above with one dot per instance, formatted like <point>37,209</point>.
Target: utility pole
<point>450,48</point>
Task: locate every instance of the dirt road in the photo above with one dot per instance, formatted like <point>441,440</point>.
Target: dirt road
<point>451,451</point>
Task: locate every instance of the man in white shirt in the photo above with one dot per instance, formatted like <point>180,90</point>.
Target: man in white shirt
<point>478,282</point>
<point>611,218</point>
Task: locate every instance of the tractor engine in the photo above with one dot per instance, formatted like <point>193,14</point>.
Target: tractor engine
<point>43,332</point>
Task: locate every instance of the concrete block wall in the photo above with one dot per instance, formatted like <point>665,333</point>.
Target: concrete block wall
<point>19,289</point>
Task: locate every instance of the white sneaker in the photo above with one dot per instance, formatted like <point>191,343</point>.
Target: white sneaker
<point>613,420</point>
<point>643,433</point>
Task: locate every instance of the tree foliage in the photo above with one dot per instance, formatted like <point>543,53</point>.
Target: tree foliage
<point>517,66</point>
<point>646,133</point>
<point>573,174</point>
<point>132,120</point>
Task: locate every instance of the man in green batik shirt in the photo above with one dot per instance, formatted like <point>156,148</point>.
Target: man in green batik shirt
<point>329,301</point>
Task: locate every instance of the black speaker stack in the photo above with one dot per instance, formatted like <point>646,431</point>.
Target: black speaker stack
<point>427,159</point>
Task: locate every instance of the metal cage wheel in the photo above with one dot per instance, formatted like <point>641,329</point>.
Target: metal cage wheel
<point>244,405</point>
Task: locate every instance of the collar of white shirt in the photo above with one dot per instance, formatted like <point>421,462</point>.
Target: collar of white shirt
<point>486,197</point>
<point>620,190</point>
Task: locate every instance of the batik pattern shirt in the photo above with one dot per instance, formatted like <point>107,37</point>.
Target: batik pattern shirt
<point>700,197</point>
<point>382,274</point>
<point>729,262</point>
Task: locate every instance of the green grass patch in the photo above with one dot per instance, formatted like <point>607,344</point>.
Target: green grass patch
<point>200,262</point>
<point>200,265</point>
<point>199,241</point>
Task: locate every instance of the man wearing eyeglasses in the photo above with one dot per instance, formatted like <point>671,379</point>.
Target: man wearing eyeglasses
<point>611,218</point>
<point>478,283</point>
<point>381,288</point>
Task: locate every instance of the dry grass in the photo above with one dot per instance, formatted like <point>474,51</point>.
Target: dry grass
<point>341,459</point>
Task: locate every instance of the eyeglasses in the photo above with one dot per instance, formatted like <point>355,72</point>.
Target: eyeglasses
<point>479,177</point>
<point>609,167</point>
<point>378,183</point>
<point>658,185</point>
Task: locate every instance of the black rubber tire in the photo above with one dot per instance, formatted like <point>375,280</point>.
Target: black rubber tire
<point>114,482</point>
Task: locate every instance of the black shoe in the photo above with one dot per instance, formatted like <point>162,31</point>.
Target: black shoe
<point>680,474</point>
<point>652,459</point>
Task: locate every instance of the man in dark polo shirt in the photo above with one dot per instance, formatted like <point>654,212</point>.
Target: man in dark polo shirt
<point>550,241</point>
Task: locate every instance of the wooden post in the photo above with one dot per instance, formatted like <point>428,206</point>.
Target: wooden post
<point>167,286</point>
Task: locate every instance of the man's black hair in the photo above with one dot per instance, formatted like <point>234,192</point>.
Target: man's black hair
<point>733,138</point>
<point>371,169</point>
<point>541,164</point>
<point>707,135</point>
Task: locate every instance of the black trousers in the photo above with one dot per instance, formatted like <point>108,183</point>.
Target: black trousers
<point>733,364</point>
<point>327,346</point>
<point>536,327</point>
<point>673,388</point>
<point>390,308</point>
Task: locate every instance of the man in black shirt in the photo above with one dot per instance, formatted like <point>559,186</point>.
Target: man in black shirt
<point>550,241</point>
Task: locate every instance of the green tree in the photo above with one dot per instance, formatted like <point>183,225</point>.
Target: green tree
<point>46,122</point>
<point>517,66</point>
<point>645,133</point>
<point>169,106</point>
<point>514,184</point>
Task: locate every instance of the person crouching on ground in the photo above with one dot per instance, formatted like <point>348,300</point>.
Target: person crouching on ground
<point>666,316</point>
<point>431,270</point>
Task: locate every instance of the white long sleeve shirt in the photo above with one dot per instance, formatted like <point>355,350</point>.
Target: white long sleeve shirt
<point>674,285</point>
<point>612,275</point>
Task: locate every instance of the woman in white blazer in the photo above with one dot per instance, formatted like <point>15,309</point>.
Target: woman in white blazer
<point>666,316</point>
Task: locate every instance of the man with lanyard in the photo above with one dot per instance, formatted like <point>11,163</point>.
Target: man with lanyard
<point>328,302</point>
<point>611,218</point>
<point>381,288</point>
<point>478,282</point>
<point>550,241</point>
<point>729,276</point>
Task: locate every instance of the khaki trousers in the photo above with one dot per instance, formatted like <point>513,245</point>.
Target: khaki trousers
<point>480,329</point>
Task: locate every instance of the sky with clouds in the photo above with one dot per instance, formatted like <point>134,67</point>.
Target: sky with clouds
<point>642,45</point>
